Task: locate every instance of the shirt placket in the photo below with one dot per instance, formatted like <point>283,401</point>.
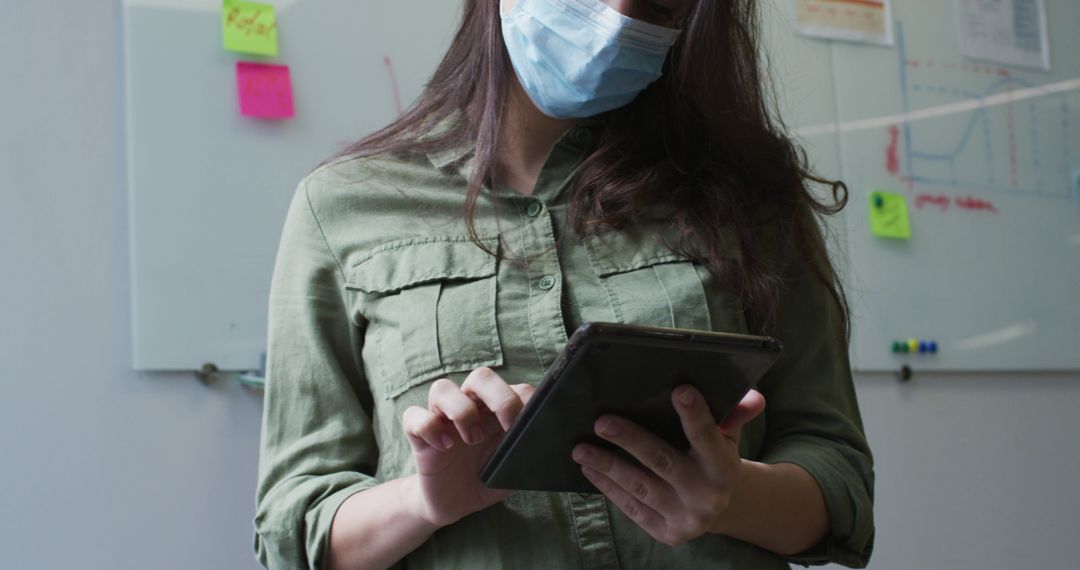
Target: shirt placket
<point>592,525</point>
<point>544,273</point>
<point>592,528</point>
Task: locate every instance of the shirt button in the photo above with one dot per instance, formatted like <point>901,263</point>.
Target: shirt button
<point>547,282</point>
<point>581,134</point>
<point>534,209</point>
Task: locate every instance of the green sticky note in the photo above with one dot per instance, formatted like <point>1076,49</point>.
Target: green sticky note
<point>889,215</point>
<point>249,27</point>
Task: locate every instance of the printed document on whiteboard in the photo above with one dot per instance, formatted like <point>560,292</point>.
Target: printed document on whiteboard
<point>1012,32</point>
<point>867,21</point>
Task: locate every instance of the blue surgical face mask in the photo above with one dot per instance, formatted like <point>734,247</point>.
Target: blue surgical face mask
<point>579,58</point>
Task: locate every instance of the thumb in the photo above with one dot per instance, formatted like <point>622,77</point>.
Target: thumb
<point>750,407</point>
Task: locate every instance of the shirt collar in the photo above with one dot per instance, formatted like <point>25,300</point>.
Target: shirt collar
<point>443,158</point>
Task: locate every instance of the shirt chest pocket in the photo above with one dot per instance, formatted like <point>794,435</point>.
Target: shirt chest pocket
<point>647,283</point>
<point>430,306</point>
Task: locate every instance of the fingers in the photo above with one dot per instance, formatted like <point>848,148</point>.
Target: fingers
<point>602,467</point>
<point>484,405</point>
<point>650,502</point>
<point>524,391</point>
<point>446,399</point>
<point>698,423</point>
<point>657,455</point>
<point>671,523</point>
<point>485,385</point>
<point>646,517</point>
<point>750,407</point>
<point>701,427</point>
<point>425,428</point>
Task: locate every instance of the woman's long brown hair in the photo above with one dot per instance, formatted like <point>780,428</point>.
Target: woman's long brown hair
<point>704,140</point>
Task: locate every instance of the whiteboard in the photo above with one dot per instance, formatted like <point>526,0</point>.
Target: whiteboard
<point>996,290</point>
<point>208,189</point>
<point>987,156</point>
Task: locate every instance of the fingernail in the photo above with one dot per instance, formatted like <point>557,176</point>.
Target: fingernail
<point>447,442</point>
<point>685,396</point>
<point>608,426</point>
<point>582,453</point>
<point>476,434</point>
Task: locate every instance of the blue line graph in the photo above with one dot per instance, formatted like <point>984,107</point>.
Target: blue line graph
<point>1023,165</point>
<point>977,115</point>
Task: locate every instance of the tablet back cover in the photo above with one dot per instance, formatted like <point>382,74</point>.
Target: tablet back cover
<point>628,376</point>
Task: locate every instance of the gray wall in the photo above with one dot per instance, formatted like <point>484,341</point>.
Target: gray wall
<point>103,468</point>
<point>100,467</point>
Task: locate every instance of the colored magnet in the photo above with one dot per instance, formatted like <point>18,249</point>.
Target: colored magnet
<point>915,346</point>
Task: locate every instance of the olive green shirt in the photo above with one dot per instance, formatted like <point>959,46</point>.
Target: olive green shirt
<point>377,292</point>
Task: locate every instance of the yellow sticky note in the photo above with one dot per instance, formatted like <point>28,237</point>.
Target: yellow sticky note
<point>889,215</point>
<point>249,27</point>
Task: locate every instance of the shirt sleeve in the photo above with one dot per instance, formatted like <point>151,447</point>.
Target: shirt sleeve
<point>813,420</point>
<point>317,446</point>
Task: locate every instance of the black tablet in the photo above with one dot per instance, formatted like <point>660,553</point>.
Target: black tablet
<point>630,371</point>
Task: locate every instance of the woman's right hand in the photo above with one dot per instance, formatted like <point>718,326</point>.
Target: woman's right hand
<point>453,438</point>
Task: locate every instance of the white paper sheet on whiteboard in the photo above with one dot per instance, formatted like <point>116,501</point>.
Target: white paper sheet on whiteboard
<point>868,21</point>
<point>1012,32</point>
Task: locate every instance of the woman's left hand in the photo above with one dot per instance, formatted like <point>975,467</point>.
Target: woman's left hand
<point>681,496</point>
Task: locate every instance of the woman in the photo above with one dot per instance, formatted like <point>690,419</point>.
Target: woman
<point>613,160</point>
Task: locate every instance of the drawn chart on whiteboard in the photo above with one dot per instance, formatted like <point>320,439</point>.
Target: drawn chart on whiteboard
<point>986,156</point>
<point>1022,146</point>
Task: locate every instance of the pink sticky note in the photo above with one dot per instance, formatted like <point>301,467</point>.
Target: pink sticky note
<point>264,90</point>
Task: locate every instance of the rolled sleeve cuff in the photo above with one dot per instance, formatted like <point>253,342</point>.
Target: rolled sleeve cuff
<point>320,519</point>
<point>845,489</point>
<point>287,542</point>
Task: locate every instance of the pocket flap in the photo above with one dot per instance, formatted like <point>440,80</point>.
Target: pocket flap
<point>615,251</point>
<point>404,263</point>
